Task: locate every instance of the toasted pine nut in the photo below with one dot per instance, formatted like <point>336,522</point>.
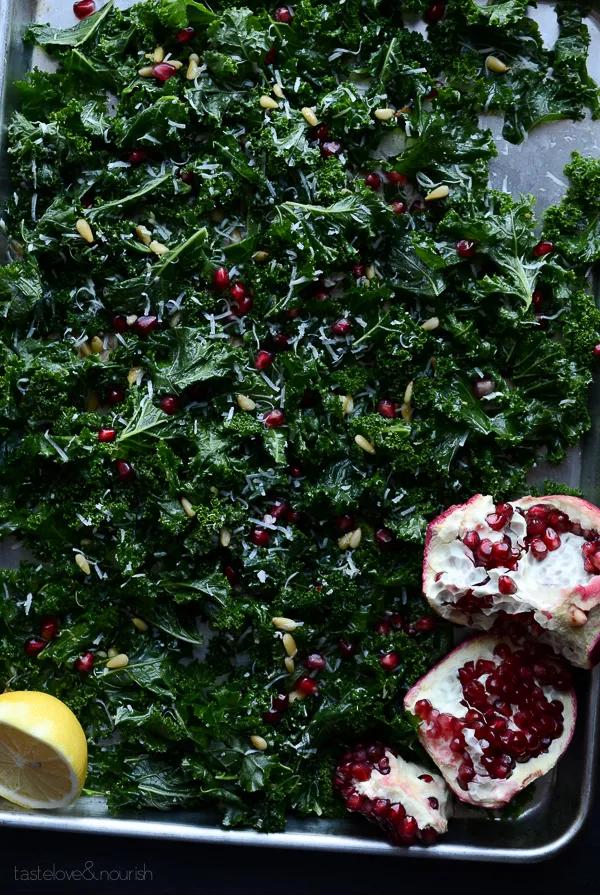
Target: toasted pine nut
<point>406,412</point>
<point>118,661</point>
<point>289,645</point>
<point>370,272</point>
<point>309,116</point>
<point>365,445</point>
<point>134,376</point>
<point>278,91</point>
<point>245,403</point>
<point>344,541</point>
<point>193,67</point>
<point>259,742</point>
<point>284,624</point>
<point>384,114</point>
<point>84,230</point>
<point>139,624</point>
<point>492,63</point>
<point>84,350</point>
<point>294,695</point>
<point>146,71</point>
<point>430,324</point>
<point>158,55</point>
<point>355,538</point>
<point>176,64</point>
<point>225,537</point>
<point>158,248</point>
<point>131,318</point>
<point>260,257</point>
<point>408,392</point>
<point>347,402</point>
<point>187,508</point>
<point>143,234</point>
<point>112,652</point>
<point>83,564</point>
<point>440,192</point>
<point>96,345</point>
<point>92,402</point>
<point>267,102</point>
<point>289,665</point>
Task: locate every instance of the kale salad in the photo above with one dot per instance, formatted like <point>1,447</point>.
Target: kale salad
<point>262,318</point>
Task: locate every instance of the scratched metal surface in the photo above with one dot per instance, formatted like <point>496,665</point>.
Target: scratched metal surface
<point>561,801</point>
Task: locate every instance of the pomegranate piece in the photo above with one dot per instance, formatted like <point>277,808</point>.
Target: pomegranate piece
<point>274,419</point>
<point>465,248</point>
<point>145,324</point>
<point>373,181</point>
<point>307,686</point>
<point>34,646</point>
<point>263,360</point>
<point>84,663</point>
<point>388,409</point>
<point>185,35</point>
<point>490,747</point>
<point>84,8</point>
<point>396,178</point>
<point>49,627</point>
<point>399,207</point>
<point>283,14</point>
<point>260,537</point>
<point>341,327</point>
<point>435,12</point>
<point>385,538</point>
<point>550,546</point>
<point>137,156</point>
<point>221,278</point>
<point>163,71</point>
<point>545,247</point>
<point>407,802</point>
<point>107,435</point>
<point>125,470</point>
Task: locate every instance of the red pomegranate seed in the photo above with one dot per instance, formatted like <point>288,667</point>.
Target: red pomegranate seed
<point>107,435</point>
<point>465,248</point>
<point>279,509</point>
<point>283,14</point>
<point>186,176</point>
<point>115,395</point>
<point>345,523</point>
<point>346,648</point>
<point>274,419</point>
<point>506,585</point>
<point>145,325</point>
<point>360,771</point>
<point>341,327</point>
<point>385,538</point>
<point>271,56</point>
<point>281,341</point>
<point>263,360</point>
<point>125,470</point>
<point>84,8</point>
<point>280,702</point>
<point>84,663</point>
<point>485,549</point>
<point>426,778</point>
<point>373,181</point>
<point>435,12</point>
<point>483,387</point>
<point>388,409</point>
<point>163,71</point>
<point>119,323</point>
<point>389,661</point>
<point>382,627</point>
<point>465,774</point>
<point>551,539</point>
<point>295,471</point>
<point>596,351</point>
<point>501,553</point>
<point>397,621</point>
<point>398,207</point>
<point>49,627</point>
<point>505,509</point>
<point>34,646</point>
<point>471,540</point>
<point>537,299</point>
<point>545,247</point>
<point>238,291</point>
<point>496,521</point>
<point>359,270</point>
<point>221,279</point>
<point>137,156</point>
<point>330,148</point>
<point>315,662</point>
<point>539,548</point>
<point>307,686</point>
<point>272,717</point>
<point>242,306</point>
<point>396,178</point>
<point>185,35</point>
<point>260,537</point>
<point>425,625</point>
<point>423,709</point>
<point>231,575</point>
<point>169,404</point>
<point>539,511</point>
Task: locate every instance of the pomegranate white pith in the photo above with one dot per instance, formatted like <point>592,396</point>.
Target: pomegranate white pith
<point>535,560</point>
<point>407,801</point>
<point>494,716</point>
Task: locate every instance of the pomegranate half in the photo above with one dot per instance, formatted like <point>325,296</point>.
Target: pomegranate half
<point>533,563</point>
<point>494,716</point>
<point>406,800</point>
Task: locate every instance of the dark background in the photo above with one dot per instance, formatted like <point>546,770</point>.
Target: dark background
<point>181,868</point>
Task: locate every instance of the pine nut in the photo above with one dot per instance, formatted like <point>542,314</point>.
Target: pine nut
<point>134,376</point>
<point>408,392</point>
<point>225,537</point>
<point>188,509</point>
<point>193,67</point>
<point>112,652</point>
<point>430,324</point>
<point>245,403</point>
<point>119,661</point>
<point>278,91</point>
<point>370,272</point>
<point>406,412</point>
<point>440,192</point>
<point>84,230</point>
<point>309,116</point>
<point>96,345</point>
<point>294,695</point>
<point>146,71</point>
<point>267,102</point>
<point>260,257</point>
<point>289,665</point>
<point>284,624</point>
<point>83,564</point>
<point>158,55</point>
<point>347,402</point>
<point>140,625</point>
<point>143,234</point>
<point>131,318</point>
<point>384,114</point>
<point>365,445</point>
<point>259,742</point>
<point>92,402</point>
<point>176,64</point>
<point>492,63</point>
<point>158,248</point>
<point>344,541</point>
<point>355,538</point>
<point>84,350</point>
<point>289,645</point>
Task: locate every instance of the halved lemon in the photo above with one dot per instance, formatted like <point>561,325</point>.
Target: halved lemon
<point>43,750</point>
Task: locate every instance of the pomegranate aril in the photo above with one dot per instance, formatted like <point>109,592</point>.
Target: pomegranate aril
<point>425,625</point>
<point>169,404</point>
<point>484,666</point>
<point>145,324</point>
<point>506,585</point>
<point>375,752</point>
<point>423,709</point>
<point>398,207</point>
<point>501,553</point>
<point>274,419</point>
<point>114,396</point>
<point>107,435</point>
<point>536,527</point>
<point>125,470</point>
<point>263,360</point>
<point>373,181</point>
<point>330,148</point>
<point>496,521</point>
<point>49,627</point>
<point>388,409</point>
<point>119,323</point>
<point>382,627</point>
<point>163,71</point>
<point>34,646</point>
<point>137,156</point>
<point>483,387</point>
<point>84,8</point>
<point>280,702</point>
<point>465,774</point>
<point>435,12</point>
<point>471,540</point>
<point>260,537</point>
<point>84,663</point>
<point>360,771</point>
<point>380,807</point>
<point>390,661</point>
<point>272,717</point>
<point>485,550</point>
<point>283,14</point>
<point>545,247</point>
<point>221,279</point>
<point>465,248</point>
<point>184,35</point>
<point>315,662</point>
<point>307,686</point>
<point>341,327</point>
<point>539,548</point>
<point>345,523</point>
<point>408,830</point>
<point>551,539</point>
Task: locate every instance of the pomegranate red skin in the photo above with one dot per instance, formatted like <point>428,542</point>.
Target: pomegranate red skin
<point>145,324</point>
<point>125,470</point>
<point>388,409</point>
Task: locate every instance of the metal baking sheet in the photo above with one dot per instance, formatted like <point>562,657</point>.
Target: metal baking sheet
<point>562,800</point>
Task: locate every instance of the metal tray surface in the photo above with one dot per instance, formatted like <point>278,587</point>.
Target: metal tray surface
<point>561,801</point>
